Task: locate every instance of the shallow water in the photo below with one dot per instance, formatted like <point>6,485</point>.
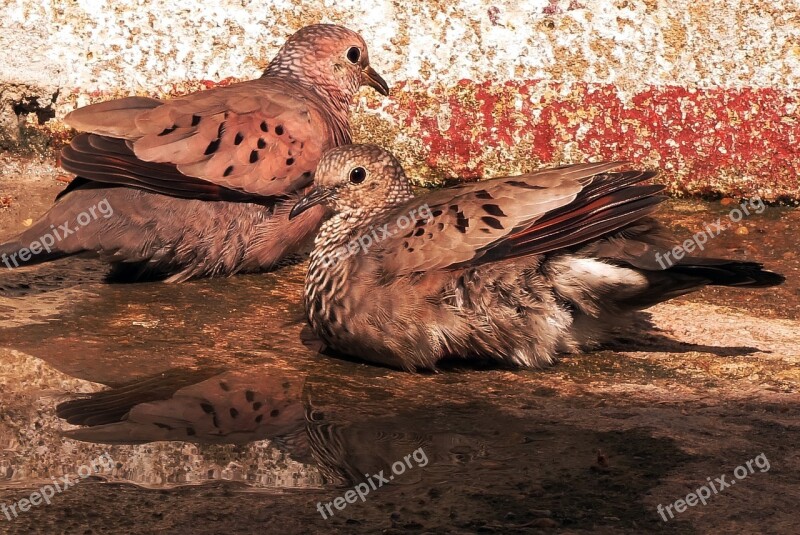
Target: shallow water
<point>220,382</point>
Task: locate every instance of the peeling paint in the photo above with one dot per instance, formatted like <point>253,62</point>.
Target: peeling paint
<point>728,141</point>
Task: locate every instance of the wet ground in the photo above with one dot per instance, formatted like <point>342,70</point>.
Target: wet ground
<point>217,414</point>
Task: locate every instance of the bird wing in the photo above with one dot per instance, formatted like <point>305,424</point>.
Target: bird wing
<point>205,406</point>
<point>111,161</point>
<point>257,138</point>
<point>515,216</point>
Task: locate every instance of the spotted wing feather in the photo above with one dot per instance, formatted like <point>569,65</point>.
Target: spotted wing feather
<point>110,161</point>
<point>258,137</point>
<point>514,216</point>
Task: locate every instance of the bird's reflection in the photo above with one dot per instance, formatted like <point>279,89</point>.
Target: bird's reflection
<point>256,403</point>
<point>296,424</point>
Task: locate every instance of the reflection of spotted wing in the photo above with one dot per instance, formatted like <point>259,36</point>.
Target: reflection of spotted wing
<point>514,216</point>
<point>111,406</point>
<point>228,408</point>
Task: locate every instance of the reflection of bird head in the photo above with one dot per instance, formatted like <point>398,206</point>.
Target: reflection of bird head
<point>348,453</point>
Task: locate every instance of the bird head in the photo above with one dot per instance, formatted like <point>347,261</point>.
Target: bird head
<point>328,57</point>
<point>355,178</point>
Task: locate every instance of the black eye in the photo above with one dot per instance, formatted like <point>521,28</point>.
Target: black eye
<point>358,175</point>
<point>353,54</point>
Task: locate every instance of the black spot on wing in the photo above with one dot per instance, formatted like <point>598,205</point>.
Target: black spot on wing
<point>212,147</point>
<point>462,223</point>
<point>493,209</point>
<point>521,184</point>
<point>492,222</point>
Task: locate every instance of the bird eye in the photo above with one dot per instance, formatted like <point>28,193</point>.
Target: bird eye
<point>358,175</point>
<point>353,54</point>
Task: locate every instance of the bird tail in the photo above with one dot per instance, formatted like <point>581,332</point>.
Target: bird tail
<point>693,273</point>
<point>36,245</point>
<point>74,224</point>
<point>722,272</point>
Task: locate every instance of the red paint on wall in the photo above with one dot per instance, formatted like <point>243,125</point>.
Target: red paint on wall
<point>746,137</point>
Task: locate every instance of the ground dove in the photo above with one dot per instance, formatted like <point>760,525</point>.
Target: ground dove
<point>515,269</point>
<point>197,185</point>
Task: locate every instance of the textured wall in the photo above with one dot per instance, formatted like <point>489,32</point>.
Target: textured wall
<point>708,90</point>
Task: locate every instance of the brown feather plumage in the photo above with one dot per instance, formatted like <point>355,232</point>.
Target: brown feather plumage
<point>514,269</point>
<point>246,147</point>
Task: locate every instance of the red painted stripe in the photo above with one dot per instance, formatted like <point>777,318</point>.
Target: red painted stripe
<point>705,140</point>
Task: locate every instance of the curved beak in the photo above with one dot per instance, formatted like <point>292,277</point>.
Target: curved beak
<point>312,198</point>
<point>374,80</point>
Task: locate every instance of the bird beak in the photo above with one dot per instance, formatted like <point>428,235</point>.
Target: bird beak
<point>314,197</point>
<point>375,81</point>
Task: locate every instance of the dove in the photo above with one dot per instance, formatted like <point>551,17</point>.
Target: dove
<point>516,270</point>
<point>201,185</point>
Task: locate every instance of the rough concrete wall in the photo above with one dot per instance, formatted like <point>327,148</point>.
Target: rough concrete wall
<point>705,89</point>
